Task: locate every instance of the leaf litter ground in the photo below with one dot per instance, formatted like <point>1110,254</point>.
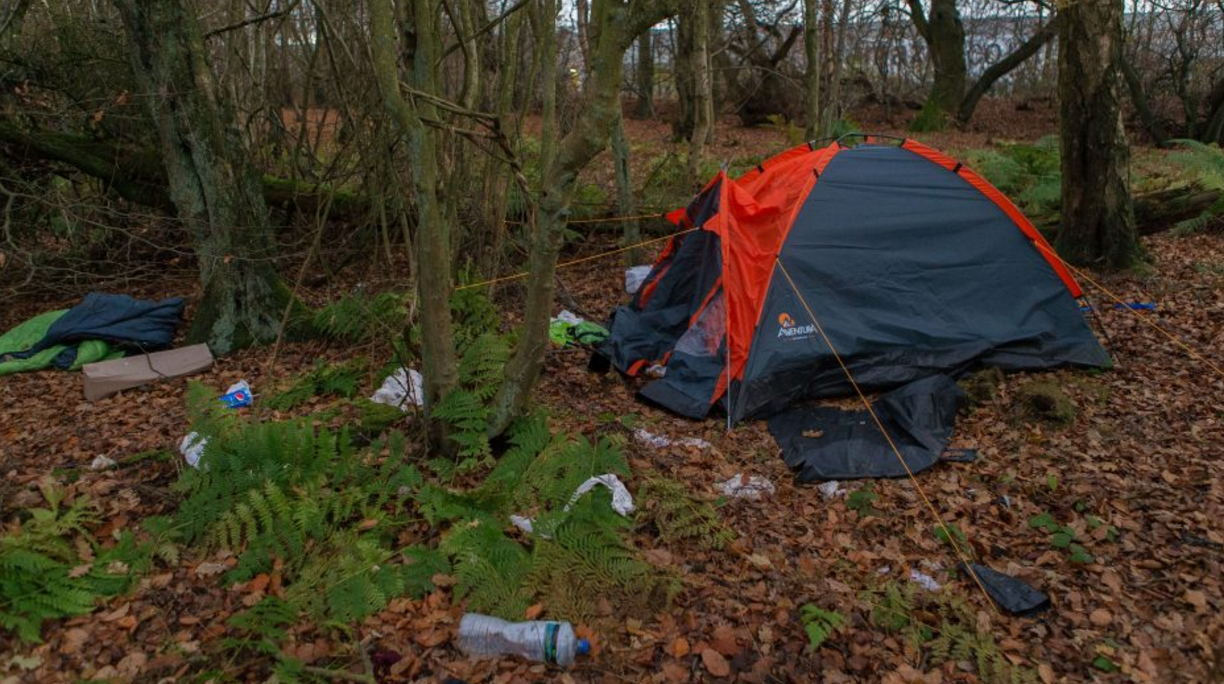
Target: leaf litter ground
<point>1134,480</point>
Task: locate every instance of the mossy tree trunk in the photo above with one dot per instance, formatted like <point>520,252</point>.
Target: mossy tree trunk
<point>703,96</point>
<point>214,189</point>
<point>1098,222</point>
<point>614,26</point>
<point>811,74</point>
<point>644,77</point>
<point>433,234</point>
<point>944,35</point>
<point>625,206</point>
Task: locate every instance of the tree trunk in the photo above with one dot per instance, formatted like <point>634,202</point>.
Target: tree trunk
<point>944,35</point>
<point>433,248</point>
<point>968,104</point>
<point>545,27</point>
<point>497,177</point>
<point>828,63</point>
<point>644,77</point>
<point>703,98</point>
<point>624,192</point>
<point>682,39</point>
<point>1098,221</point>
<point>811,74</point>
<point>615,23</point>
<point>1142,106</point>
<point>1213,129</point>
<point>212,185</point>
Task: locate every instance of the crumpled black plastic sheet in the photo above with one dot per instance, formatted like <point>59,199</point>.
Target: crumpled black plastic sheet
<point>1015,597</point>
<point>823,443</point>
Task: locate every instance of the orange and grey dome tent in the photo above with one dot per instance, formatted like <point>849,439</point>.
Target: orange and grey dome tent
<point>909,262</point>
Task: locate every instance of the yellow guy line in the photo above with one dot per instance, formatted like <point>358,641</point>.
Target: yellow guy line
<point>879,424</point>
<point>1146,319</point>
<point>564,264</point>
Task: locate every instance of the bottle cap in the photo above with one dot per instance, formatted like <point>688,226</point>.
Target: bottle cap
<point>584,647</point>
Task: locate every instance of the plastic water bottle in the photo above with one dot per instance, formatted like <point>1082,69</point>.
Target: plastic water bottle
<point>483,636</point>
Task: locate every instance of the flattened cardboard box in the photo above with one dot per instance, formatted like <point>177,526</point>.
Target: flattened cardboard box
<point>105,378</point>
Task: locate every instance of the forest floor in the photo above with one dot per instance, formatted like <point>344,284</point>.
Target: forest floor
<point>1135,475</point>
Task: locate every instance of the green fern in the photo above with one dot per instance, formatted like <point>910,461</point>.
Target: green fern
<point>41,575</point>
<point>678,516</point>
<point>360,317</point>
<point>262,627</point>
<point>490,568</point>
<point>468,417</point>
<point>819,624</point>
<point>586,557</point>
<point>1205,165</point>
<point>337,380</point>
<point>952,634</point>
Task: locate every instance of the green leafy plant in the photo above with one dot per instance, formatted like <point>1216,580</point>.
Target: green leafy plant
<point>943,626</point>
<point>862,500</point>
<point>337,380</point>
<point>819,624</point>
<point>362,316</point>
<point>1028,173</point>
<point>1205,165</point>
<point>677,515</point>
<point>942,532</point>
<point>272,491</point>
<point>42,576</point>
<point>577,549</point>
<point>1062,537</point>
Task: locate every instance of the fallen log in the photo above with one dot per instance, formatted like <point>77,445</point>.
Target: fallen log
<point>136,173</point>
<point>1155,212</point>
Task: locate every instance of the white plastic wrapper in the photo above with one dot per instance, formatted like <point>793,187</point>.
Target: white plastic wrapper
<point>101,463</point>
<point>622,500</point>
<point>830,489</point>
<point>634,277</point>
<point>741,487</point>
<point>924,580</point>
<point>403,389</point>
<point>192,448</point>
<point>660,441</point>
<point>567,316</point>
<point>524,524</point>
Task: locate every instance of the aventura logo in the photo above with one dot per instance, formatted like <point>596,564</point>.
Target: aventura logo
<point>788,329</point>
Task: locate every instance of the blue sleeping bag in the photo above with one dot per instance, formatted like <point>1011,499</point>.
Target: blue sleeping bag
<point>131,324</point>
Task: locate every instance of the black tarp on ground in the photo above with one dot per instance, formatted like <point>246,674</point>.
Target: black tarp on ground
<point>1014,596</point>
<point>919,417</point>
<point>132,324</point>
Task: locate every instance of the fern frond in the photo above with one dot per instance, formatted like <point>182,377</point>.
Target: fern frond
<point>678,516</point>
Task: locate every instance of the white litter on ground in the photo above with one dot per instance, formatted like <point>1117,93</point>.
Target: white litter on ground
<point>101,463</point>
<point>567,316</point>
<point>406,387</point>
<point>743,487</point>
<point>659,441</point>
<point>522,523</point>
<point>192,448</point>
<point>622,500</point>
<point>656,371</point>
<point>634,277</point>
<point>830,489</point>
<point>884,570</point>
<point>924,580</point>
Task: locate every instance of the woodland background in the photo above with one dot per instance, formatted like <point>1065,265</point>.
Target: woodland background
<point>333,184</point>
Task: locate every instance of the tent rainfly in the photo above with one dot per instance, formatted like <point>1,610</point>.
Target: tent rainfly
<point>909,262</point>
